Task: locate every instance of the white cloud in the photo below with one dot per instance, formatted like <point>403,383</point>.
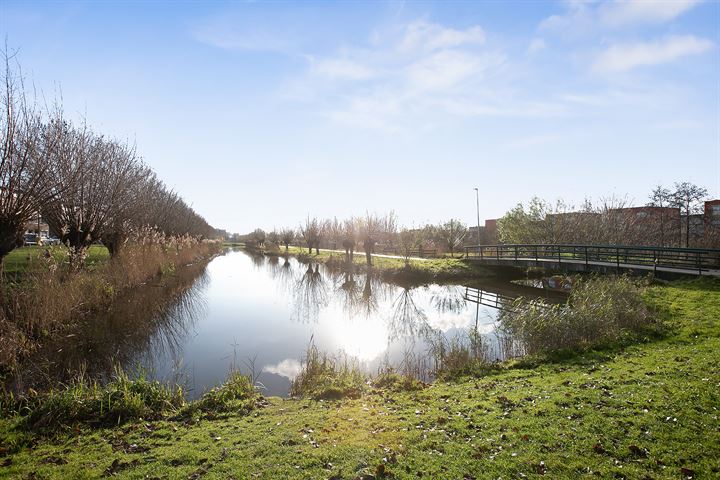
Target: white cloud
<point>413,77</point>
<point>424,36</point>
<point>624,12</point>
<point>622,57</point>
<point>585,17</point>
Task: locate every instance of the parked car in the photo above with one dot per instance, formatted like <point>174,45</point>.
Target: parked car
<point>51,241</point>
<point>31,239</point>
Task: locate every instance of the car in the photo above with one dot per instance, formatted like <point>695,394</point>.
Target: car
<point>51,241</point>
<point>31,239</point>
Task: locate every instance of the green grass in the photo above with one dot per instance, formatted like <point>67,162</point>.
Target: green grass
<point>437,269</point>
<point>28,258</point>
<point>649,410</point>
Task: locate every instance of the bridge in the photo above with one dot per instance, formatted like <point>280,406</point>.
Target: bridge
<point>600,258</point>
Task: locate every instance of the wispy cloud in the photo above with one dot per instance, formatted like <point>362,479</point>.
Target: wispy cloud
<point>412,76</point>
<point>626,56</point>
<point>585,17</point>
<point>627,12</point>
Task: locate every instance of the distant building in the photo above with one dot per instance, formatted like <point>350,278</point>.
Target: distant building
<point>38,226</point>
<point>488,233</point>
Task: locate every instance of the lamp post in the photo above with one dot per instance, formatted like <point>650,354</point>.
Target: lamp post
<point>477,201</point>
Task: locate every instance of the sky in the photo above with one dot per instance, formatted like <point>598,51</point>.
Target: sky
<point>261,113</point>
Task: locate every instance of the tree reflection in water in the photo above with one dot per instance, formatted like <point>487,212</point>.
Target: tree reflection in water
<point>407,319</point>
<point>145,323</point>
<point>310,295</point>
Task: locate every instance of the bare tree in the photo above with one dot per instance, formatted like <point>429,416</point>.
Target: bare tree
<point>287,235</point>
<point>27,180</point>
<point>451,234</point>
<point>409,240</point>
<point>371,231</point>
<point>310,233</point>
<point>101,176</point>
<point>661,198</point>
<point>349,238</point>
<point>688,198</point>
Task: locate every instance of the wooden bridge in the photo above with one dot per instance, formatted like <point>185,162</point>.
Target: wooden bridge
<point>600,258</point>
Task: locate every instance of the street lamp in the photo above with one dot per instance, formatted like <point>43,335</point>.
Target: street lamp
<point>477,200</point>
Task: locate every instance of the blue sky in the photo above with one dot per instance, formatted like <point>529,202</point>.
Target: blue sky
<point>260,113</point>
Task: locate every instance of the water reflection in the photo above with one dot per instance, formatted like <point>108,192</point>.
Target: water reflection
<point>267,308</point>
<point>310,295</point>
<point>148,321</point>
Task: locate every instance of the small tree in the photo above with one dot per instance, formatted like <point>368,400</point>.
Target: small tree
<point>287,235</point>
<point>371,231</point>
<point>688,198</point>
<point>274,237</point>
<point>310,233</point>
<point>409,240</point>
<point>452,234</point>
<point>349,238</point>
<point>662,198</point>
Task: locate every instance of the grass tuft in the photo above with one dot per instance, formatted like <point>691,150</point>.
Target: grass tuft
<point>326,378</point>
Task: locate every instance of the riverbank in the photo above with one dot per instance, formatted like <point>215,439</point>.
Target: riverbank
<point>395,268</point>
<point>45,297</point>
<point>645,411</point>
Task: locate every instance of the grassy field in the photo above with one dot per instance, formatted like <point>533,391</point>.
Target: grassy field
<point>27,258</point>
<point>647,411</point>
<point>416,269</point>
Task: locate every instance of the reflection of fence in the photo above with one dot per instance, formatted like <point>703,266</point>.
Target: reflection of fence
<point>499,301</point>
<point>586,257</point>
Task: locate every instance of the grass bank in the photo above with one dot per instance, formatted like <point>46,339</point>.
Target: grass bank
<point>648,410</point>
<point>31,258</point>
<point>420,270</point>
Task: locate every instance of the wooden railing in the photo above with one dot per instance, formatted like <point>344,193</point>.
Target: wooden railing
<point>697,260</point>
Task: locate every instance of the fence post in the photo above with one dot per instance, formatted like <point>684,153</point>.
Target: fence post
<point>699,264</point>
<point>536,254</point>
<point>586,256</point>
<point>655,261</point>
<point>617,258</point>
<point>516,253</point>
<point>559,256</point>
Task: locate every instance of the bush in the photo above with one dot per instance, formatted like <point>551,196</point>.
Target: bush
<point>600,311</point>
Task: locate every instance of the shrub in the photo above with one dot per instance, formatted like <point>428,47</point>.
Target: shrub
<point>600,310</point>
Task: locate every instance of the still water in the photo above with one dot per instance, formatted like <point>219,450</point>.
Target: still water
<point>247,311</point>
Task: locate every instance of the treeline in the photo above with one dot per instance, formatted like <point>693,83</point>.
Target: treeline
<point>372,232</point>
<point>88,187</point>
<point>671,217</point>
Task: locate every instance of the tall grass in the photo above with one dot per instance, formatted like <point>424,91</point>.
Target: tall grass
<point>600,311</point>
<point>47,300</point>
<point>237,394</point>
<point>124,398</point>
<point>324,377</point>
<point>87,402</point>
